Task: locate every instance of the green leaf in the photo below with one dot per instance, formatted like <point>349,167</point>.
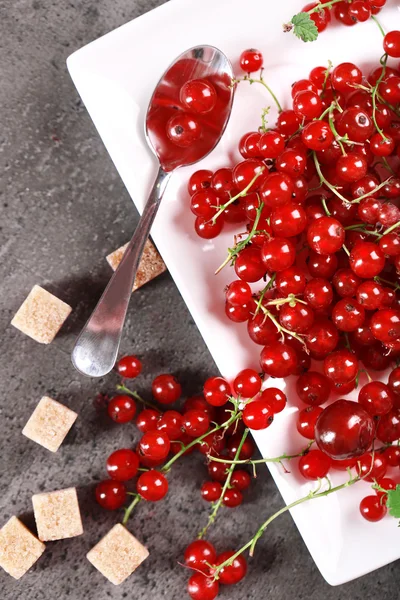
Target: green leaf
<point>304,27</point>
<point>393,502</point>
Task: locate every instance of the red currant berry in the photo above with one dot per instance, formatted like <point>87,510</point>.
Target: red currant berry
<point>318,75</point>
<point>211,491</point>
<point>391,44</point>
<point>278,360</point>
<point>276,189</point>
<point>288,220</point>
<point>216,391</point>
<point>199,180</point>
<point>344,430</point>
<point>313,388</point>
<point>171,423</point>
<point>317,135</point>
<point>372,509</point>
<point>359,11</point>
<point>110,494</point>
<point>291,281</point>
<point>292,161</point>
<point>321,18</point>
<point>166,389</point>
<point>356,123</point>
<point>387,484</point>
<point>248,174</point>
<point>257,414</point>
<point>121,409</point>
<point>249,266</point>
<point>301,85</point>
<point>201,587</point>
<point>381,146</point>
<point>275,398</point>
<point>199,554</point>
<point>341,12</point>
<point>222,183</point>
<point>385,325</point>
<point>239,314</point>
<point>238,293</point>
<point>204,204</point>
<point>232,447</point>
<point>307,105</point>
<point>346,283</point>
<point>247,383</point>
<point>232,498</point>
<point>394,381</point>
<point>278,254</point>
<point>129,367</point>
<point>288,122</point>
<point>152,486</point>
<point>198,95</point>
<point>123,464</point>
<point>325,235</point>
<point>351,167</point>
<point>341,366</point>
<point>390,244</point>
<point>322,338</point>
<point>318,293</point>
<point>249,145</point>
<point>154,445</point>
<point>345,76</point>
<point>371,467</point>
<point>322,265</point>
<point>348,315</point>
<point>298,318</point>
<point>240,480</point>
<point>388,430</point>
<point>183,130</point>
<point>366,260</point>
<point>233,573</point>
<point>218,471</point>
<point>196,423</point>
<point>147,420</point>
<point>314,465</point>
<point>306,420</point>
<point>392,455</point>
<point>271,144</point>
<point>208,229</point>
<point>376,397</point>
<point>251,60</point>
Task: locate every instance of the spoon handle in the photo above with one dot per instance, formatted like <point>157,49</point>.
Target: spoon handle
<point>96,348</point>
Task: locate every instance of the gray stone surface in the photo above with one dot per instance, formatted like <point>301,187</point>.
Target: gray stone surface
<point>63,208</point>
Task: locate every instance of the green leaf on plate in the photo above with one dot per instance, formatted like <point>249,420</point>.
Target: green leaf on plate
<point>393,502</point>
<point>304,27</point>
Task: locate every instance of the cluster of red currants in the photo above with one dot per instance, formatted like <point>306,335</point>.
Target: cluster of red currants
<point>347,12</point>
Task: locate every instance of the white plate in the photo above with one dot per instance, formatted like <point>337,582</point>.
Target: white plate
<point>115,76</point>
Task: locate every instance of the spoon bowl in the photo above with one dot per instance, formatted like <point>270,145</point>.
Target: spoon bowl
<point>96,348</point>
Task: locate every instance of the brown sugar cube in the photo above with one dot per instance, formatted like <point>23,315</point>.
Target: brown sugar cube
<point>41,315</point>
<point>151,264</point>
<point>57,515</point>
<point>117,554</point>
<point>49,423</point>
<point>19,548</point>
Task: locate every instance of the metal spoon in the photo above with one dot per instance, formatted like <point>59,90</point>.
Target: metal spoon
<point>96,348</point>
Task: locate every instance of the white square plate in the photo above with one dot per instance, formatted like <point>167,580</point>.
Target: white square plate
<point>115,76</point>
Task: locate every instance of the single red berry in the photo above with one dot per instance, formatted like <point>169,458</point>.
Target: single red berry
<point>211,491</point>
<point>238,293</point>
<point>360,11</point>
<point>218,471</point>
<point>249,145</point>
<point>318,75</point>
<point>232,498</point>
<point>390,244</point>
<point>251,60</point>
<point>394,381</point>
<point>385,325</point>
<point>275,398</point>
<point>288,220</point>
<point>222,183</point>
<point>292,161</point>
<point>307,104</point>
<point>216,391</point>
<point>198,554</point>
<point>371,467</point>
<point>276,189</point>
<point>166,389</point>
<point>321,18</point>
<point>376,397</point>
<point>317,135</point>
<point>262,330</point>
<point>232,447</point>
<point>152,486</point>
<point>314,465</point>
<point>239,314</point>
<point>207,229</point>
<point>298,318</point>
<point>147,420</point>
<point>322,338</point>
<point>301,85</point>
<point>154,445</point>
<point>291,281</point>
<point>278,360</point>
<point>341,366</point>
<point>348,315</point>
<point>123,464</point>
<point>346,283</point>
<point>247,383</point>
<point>370,294</point>
<point>231,574</point>
<point>381,145</point>
<point>171,423</point>
<point>313,388</point>
<point>325,235</point>
<point>344,430</point>
<point>201,587</point>
<point>129,367</point>
<point>271,144</point>
<point>392,455</point>
<point>306,420</point>
<point>183,130</point>
<point>121,409</point>
<point>387,484</point>
<point>318,293</point>
<point>258,414</point>
<point>341,12</point>
<point>372,509</point>
<point>288,123</point>
<point>250,172</point>
<point>240,480</point>
<point>345,76</point>
<point>195,423</point>
<point>278,254</point>
<point>366,260</point>
<point>388,430</point>
<point>391,44</point>
<point>249,265</point>
<point>110,494</point>
<point>198,95</point>
<point>204,204</point>
<point>199,180</point>
<point>322,265</point>
<point>356,123</point>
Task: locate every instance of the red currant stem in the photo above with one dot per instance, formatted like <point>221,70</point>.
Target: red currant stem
<point>259,461</point>
<point>385,163</point>
<point>312,495</point>
<point>234,417</point>
<point>218,504</point>
<point>282,329</point>
<point>264,291</point>
<point>264,122</point>
<point>379,279</point>
<point>379,25</point>
<point>361,227</point>
<point>130,508</point>
<point>291,299</point>
<point>326,209</point>
<point>345,248</point>
<point>347,342</point>
<point>390,229</point>
<point>320,7</point>
<point>233,252</point>
<point>375,89</point>
<point>334,131</point>
<point>262,82</point>
<point>239,195</point>
<point>327,72</point>
<point>123,388</point>
<point>338,194</point>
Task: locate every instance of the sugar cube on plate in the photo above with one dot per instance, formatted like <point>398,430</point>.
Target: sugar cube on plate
<point>151,264</point>
<point>41,315</point>
<point>57,515</point>
<point>49,423</point>
<point>19,548</point>
<point>117,554</point>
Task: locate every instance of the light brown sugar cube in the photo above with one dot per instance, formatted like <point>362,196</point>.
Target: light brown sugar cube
<point>151,264</point>
<point>19,548</point>
<point>49,423</point>
<point>41,315</point>
<point>117,554</point>
<point>57,515</point>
